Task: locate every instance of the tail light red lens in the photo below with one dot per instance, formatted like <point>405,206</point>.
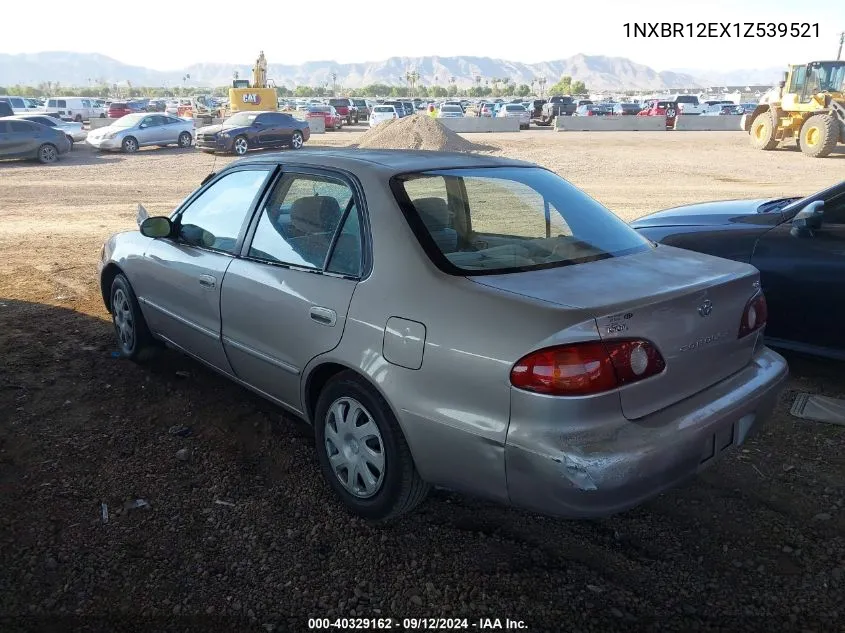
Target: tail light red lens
<point>581,369</point>
<point>754,316</point>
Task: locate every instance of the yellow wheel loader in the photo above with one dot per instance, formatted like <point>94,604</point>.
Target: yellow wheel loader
<point>808,106</point>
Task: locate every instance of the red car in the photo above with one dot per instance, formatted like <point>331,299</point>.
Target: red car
<point>118,109</point>
<point>668,109</point>
<point>330,116</point>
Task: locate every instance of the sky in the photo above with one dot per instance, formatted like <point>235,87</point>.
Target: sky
<point>173,37</point>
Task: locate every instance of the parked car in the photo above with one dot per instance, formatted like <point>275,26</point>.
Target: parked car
<point>689,105</point>
<point>362,109</point>
<point>133,131</point>
<point>450,112</point>
<point>244,131</point>
<point>516,110</point>
<point>78,109</point>
<point>535,107</point>
<point>382,113</point>
<point>558,105</point>
<point>25,139</point>
<point>400,109</point>
<point>331,117</point>
<point>19,105</point>
<point>595,109</point>
<point>626,109</point>
<point>72,129</point>
<point>156,105</point>
<point>6,109</point>
<point>118,109</point>
<point>666,109</point>
<point>724,110</point>
<point>405,360</point>
<point>346,109</point>
<point>796,243</point>
<point>486,110</point>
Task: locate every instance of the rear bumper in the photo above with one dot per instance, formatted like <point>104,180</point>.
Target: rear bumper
<point>607,468</point>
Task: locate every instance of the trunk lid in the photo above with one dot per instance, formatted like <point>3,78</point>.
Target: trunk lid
<point>687,304</point>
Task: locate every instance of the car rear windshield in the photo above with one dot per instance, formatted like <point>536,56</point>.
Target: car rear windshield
<point>383,109</point>
<point>506,219</point>
<point>515,108</point>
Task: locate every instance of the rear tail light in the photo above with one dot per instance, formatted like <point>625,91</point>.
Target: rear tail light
<point>754,316</point>
<point>581,369</point>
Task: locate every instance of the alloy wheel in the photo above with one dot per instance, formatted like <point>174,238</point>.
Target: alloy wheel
<point>48,154</point>
<point>355,447</point>
<point>296,141</point>
<point>241,146</point>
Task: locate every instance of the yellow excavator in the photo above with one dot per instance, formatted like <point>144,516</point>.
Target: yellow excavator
<point>808,106</point>
<point>258,96</point>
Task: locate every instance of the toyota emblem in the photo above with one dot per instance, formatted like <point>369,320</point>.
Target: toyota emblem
<point>705,308</point>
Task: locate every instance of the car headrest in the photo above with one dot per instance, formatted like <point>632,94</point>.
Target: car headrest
<point>434,213</point>
<point>315,214</point>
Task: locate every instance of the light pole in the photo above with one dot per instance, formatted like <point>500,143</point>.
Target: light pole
<point>841,42</point>
<point>542,83</point>
<point>334,84</point>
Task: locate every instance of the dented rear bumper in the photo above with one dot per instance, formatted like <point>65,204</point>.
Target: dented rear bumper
<point>564,463</point>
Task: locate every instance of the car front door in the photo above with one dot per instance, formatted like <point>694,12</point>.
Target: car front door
<point>24,138</point>
<point>179,279</point>
<point>285,300</point>
<point>263,126</point>
<point>165,131</point>
<point>148,131</point>
<point>803,276</point>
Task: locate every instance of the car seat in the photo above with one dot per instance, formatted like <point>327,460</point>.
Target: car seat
<point>437,218</point>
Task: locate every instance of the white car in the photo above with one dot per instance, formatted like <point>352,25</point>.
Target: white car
<point>382,113</point>
<point>133,131</point>
<point>516,110</point>
<point>20,105</point>
<point>450,112</point>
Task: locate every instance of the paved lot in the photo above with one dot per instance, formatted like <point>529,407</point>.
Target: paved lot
<point>756,543</point>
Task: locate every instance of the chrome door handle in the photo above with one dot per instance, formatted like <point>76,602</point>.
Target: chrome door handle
<point>207,281</point>
<point>323,316</point>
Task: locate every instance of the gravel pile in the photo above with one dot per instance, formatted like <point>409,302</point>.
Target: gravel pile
<point>417,131</point>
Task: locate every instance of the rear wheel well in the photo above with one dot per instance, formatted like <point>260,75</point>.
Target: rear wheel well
<point>318,379</point>
<point>106,278</point>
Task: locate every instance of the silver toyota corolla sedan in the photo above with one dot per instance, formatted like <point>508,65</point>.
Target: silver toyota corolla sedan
<point>133,131</point>
<point>470,322</point>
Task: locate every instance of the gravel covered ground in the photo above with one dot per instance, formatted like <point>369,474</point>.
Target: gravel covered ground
<point>239,532</point>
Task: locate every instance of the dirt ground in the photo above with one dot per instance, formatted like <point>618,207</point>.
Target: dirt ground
<point>243,535</point>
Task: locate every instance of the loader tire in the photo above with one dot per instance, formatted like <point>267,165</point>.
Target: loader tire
<point>763,132</point>
<point>819,135</point>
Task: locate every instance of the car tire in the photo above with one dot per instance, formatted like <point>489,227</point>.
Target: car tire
<point>819,135</point>
<point>240,145</point>
<point>296,140</point>
<point>47,154</point>
<point>70,140</point>
<point>103,115</point>
<point>185,139</point>
<point>129,145</point>
<point>134,339</point>
<point>396,487</point>
<point>763,132</point>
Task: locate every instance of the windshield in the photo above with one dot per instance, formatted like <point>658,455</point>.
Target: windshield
<point>507,219</point>
<point>241,118</point>
<point>448,108</point>
<point>514,108</point>
<point>383,109</point>
<point>826,77</point>
<point>129,120</point>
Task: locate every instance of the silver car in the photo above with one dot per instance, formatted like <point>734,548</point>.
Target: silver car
<point>72,129</point>
<point>457,320</point>
<point>133,131</point>
<point>516,111</point>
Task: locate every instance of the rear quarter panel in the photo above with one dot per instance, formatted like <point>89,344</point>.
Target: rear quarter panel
<point>455,409</point>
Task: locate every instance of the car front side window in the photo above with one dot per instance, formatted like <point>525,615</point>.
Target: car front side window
<point>299,222</point>
<point>215,219</point>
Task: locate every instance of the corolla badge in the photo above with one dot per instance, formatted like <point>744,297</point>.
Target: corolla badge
<point>706,308</point>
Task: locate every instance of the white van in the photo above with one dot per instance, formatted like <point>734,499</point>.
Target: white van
<point>75,108</point>
<point>19,104</point>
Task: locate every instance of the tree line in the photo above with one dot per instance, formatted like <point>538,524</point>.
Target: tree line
<point>488,88</point>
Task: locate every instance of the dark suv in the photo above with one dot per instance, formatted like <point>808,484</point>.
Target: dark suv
<point>6,108</point>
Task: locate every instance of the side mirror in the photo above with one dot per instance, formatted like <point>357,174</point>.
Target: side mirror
<point>809,218</point>
<point>158,226</point>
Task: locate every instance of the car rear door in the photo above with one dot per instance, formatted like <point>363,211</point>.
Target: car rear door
<point>803,276</point>
<point>178,280</point>
<point>285,300</point>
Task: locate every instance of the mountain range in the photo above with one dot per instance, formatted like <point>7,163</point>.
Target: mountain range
<point>599,73</point>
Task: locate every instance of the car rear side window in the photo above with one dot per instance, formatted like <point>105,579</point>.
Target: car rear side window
<point>215,218</point>
<point>298,225</point>
<point>505,219</point>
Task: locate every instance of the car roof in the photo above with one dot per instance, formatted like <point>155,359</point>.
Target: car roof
<point>389,162</point>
